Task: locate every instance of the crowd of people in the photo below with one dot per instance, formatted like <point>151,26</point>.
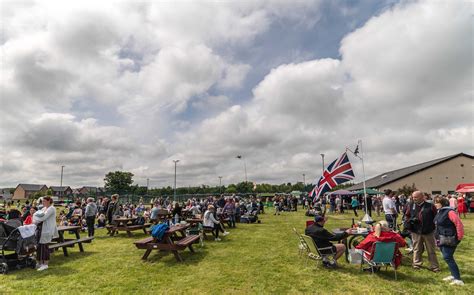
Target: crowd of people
<point>430,222</point>
<point>338,204</point>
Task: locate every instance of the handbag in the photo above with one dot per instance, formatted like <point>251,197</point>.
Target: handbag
<point>449,241</point>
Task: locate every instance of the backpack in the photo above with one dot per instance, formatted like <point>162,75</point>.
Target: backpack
<point>159,230</point>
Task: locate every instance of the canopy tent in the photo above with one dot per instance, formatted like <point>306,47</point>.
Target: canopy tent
<point>465,188</point>
<point>342,192</point>
<point>369,191</point>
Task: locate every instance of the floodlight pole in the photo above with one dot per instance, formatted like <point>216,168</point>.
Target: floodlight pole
<point>175,162</point>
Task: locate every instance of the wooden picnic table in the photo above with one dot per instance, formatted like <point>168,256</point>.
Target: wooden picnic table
<point>194,221</point>
<point>352,240</point>
<point>62,242</point>
<point>171,242</point>
<point>125,224</point>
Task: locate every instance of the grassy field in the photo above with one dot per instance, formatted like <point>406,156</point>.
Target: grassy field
<point>255,258</point>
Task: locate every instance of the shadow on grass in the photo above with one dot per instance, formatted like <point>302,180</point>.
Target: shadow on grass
<point>169,260</point>
<point>57,266</point>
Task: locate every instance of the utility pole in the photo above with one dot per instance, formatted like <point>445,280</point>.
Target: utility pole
<point>175,162</point>
<point>220,184</point>
<point>304,181</point>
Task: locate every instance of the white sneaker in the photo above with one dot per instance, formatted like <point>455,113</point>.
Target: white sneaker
<point>43,267</point>
<point>38,266</point>
<point>448,279</point>
<point>457,282</point>
<point>225,233</point>
<point>217,239</point>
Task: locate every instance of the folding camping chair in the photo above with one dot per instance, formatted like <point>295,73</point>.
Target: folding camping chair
<point>302,246</point>
<point>324,254</point>
<point>384,253</point>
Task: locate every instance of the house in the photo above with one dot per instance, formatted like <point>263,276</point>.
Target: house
<point>439,176</point>
<point>91,191</point>
<point>25,191</point>
<point>61,191</point>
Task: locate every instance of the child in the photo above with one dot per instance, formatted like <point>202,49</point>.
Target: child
<point>63,220</point>
<point>101,221</point>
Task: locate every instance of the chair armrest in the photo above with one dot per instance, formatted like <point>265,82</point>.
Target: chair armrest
<point>325,248</point>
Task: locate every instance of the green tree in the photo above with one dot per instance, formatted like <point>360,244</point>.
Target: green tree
<point>231,189</point>
<point>406,190</point>
<point>118,182</point>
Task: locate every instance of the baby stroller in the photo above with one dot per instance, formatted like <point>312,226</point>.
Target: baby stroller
<point>15,251</point>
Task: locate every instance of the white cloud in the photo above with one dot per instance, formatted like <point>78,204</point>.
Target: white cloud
<point>99,87</point>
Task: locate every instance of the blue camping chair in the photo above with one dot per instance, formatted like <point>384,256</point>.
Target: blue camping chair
<point>384,254</point>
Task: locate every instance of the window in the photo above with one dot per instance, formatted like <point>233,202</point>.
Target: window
<point>436,192</point>
<point>451,192</point>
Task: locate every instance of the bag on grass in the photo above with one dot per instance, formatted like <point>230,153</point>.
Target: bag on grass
<point>355,256</point>
<point>159,230</point>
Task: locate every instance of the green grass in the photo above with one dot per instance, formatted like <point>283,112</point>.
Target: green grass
<point>255,258</point>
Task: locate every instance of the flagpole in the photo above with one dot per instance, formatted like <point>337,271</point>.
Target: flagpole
<point>355,153</point>
<point>363,174</point>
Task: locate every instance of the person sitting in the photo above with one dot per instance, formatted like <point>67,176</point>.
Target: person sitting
<point>210,222</point>
<point>382,233</point>
<point>322,238</point>
<point>101,221</point>
<point>29,218</point>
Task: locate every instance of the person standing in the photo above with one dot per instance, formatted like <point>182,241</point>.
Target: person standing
<point>113,208</point>
<point>389,209</point>
<point>420,222</point>
<point>462,208</point>
<point>369,205</point>
<point>91,213</point>
<point>229,210</point>
<point>449,233</point>
<point>46,221</point>
<point>355,205</point>
<point>376,204</point>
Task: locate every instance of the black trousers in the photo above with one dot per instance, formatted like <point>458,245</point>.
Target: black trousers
<point>90,220</point>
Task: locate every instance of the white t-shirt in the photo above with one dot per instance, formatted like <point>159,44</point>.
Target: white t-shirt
<point>388,205</point>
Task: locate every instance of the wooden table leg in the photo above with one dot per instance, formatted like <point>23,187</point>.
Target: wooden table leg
<point>78,236</point>
<point>147,253</point>
<point>65,251</point>
<point>129,233</point>
<point>191,248</point>
<point>177,256</point>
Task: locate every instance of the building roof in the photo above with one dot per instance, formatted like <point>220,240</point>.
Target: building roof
<point>391,176</point>
<point>59,188</point>
<point>32,187</point>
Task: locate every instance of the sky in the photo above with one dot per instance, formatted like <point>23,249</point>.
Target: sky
<point>99,86</point>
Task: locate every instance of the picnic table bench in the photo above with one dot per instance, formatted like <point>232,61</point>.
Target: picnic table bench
<point>171,242</point>
<point>64,243</point>
<point>125,224</point>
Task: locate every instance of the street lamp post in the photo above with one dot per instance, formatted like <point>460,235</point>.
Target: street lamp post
<point>245,166</point>
<point>304,182</point>
<point>220,184</point>
<point>175,162</point>
<point>61,190</point>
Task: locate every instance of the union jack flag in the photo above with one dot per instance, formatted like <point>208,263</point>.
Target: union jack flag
<point>336,173</point>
